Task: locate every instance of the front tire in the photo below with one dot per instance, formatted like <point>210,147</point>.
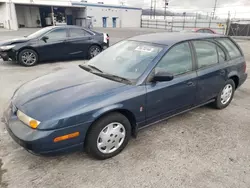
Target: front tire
<point>225,96</point>
<point>28,57</point>
<point>108,136</point>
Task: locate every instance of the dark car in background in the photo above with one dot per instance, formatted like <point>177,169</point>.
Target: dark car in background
<point>54,43</point>
<point>134,83</point>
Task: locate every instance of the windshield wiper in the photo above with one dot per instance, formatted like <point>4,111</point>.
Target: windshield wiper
<point>90,68</point>
<point>93,67</point>
<point>115,77</point>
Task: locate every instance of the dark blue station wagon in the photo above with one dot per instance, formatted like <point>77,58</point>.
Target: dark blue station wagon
<point>134,83</point>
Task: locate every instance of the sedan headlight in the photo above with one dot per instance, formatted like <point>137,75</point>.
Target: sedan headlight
<point>7,47</point>
<point>27,120</point>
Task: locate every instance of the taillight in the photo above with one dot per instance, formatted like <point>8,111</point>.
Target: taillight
<point>107,37</point>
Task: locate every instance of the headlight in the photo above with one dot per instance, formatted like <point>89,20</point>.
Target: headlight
<point>7,47</point>
<point>27,120</point>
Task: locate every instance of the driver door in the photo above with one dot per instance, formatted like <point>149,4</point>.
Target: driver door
<point>169,97</point>
<point>55,46</point>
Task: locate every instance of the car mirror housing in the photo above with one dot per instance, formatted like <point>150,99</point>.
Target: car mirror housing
<point>45,38</point>
<point>163,77</point>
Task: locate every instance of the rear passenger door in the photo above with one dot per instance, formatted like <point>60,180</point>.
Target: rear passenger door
<point>79,42</point>
<point>210,70</point>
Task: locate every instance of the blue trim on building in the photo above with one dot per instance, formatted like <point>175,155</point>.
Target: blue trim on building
<point>103,5</point>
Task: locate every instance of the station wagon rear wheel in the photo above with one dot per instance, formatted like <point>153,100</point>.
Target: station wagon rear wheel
<point>226,95</point>
<point>108,136</point>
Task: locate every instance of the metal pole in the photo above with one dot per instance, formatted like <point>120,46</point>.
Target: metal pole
<point>154,8</point>
<point>165,9</point>
<point>228,24</point>
<point>52,15</point>
<point>215,6</point>
<point>248,30</point>
<point>151,9</point>
<point>195,23</point>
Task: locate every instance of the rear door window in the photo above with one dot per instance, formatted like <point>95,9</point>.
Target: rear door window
<point>206,53</point>
<point>76,32</point>
<point>232,49</point>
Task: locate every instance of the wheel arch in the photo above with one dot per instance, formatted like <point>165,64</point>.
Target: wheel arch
<point>27,47</point>
<point>235,77</point>
<point>115,108</point>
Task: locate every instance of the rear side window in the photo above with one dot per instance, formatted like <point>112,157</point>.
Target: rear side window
<point>232,49</point>
<point>221,54</point>
<point>206,53</point>
<point>75,32</point>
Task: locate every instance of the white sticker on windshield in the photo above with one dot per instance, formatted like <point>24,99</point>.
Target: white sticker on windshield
<point>145,49</point>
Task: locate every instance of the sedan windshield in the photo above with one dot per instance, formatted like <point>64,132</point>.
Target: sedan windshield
<point>126,59</point>
<point>39,33</point>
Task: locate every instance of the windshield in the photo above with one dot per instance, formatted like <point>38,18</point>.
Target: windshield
<point>39,32</point>
<point>126,59</point>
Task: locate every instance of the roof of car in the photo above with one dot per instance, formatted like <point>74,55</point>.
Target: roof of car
<point>171,38</point>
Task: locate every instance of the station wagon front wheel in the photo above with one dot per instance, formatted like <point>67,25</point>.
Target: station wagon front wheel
<point>108,136</point>
<point>226,95</point>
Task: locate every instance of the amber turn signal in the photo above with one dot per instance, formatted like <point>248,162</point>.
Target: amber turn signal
<point>33,124</point>
<point>66,137</point>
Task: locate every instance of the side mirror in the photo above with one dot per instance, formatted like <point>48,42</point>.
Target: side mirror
<point>163,77</point>
<point>45,38</point>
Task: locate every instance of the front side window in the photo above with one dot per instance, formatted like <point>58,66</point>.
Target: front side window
<point>57,34</point>
<point>178,60</point>
<point>232,49</point>
<point>206,53</point>
<point>127,59</point>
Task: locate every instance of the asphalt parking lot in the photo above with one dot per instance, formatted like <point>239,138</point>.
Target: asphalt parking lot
<point>204,148</point>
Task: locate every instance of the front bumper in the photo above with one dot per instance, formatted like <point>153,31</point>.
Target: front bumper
<point>8,55</point>
<point>41,141</point>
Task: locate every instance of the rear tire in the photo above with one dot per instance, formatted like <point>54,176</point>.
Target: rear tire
<point>225,96</point>
<point>108,136</point>
<point>94,50</point>
<point>28,57</point>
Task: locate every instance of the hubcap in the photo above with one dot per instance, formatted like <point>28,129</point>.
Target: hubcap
<point>95,51</point>
<point>28,58</point>
<point>111,137</point>
<point>226,94</point>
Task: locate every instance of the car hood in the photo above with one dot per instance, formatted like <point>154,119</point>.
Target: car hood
<point>13,41</point>
<point>51,95</point>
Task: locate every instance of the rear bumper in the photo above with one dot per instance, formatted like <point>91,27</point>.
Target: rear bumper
<point>242,79</point>
<point>41,142</point>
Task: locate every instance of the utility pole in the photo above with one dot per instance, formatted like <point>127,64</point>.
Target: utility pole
<point>215,6</point>
<point>151,9</point>
<point>165,9</point>
<point>154,8</point>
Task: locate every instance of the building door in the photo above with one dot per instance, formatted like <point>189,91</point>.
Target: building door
<point>104,22</point>
<point>69,20</point>
<point>114,22</point>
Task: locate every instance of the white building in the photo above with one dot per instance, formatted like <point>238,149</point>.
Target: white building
<point>40,13</point>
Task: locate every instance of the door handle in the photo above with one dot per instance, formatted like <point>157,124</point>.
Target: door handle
<point>190,83</point>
